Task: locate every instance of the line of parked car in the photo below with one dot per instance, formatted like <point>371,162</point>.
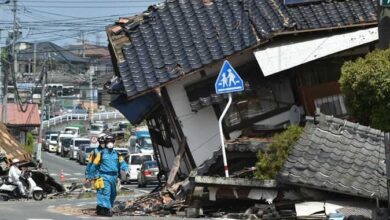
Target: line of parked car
<point>143,168</point>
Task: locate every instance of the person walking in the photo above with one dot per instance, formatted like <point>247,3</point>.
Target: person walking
<point>92,155</point>
<point>106,169</point>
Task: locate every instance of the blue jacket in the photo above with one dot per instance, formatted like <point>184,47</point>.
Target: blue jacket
<point>108,161</point>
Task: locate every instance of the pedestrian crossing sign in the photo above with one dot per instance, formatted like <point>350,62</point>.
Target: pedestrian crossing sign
<point>228,80</point>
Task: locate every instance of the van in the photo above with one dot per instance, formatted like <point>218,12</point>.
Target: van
<point>134,162</point>
<point>74,147</point>
<point>64,142</point>
<point>53,142</point>
<point>75,131</point>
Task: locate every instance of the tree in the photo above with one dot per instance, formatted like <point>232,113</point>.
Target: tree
<point>271,161</point>
<point>365,83</point>
<point>30,143</point>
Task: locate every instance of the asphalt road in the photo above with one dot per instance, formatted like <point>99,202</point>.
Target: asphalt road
<point>54,164</point>
<point>61,209</point>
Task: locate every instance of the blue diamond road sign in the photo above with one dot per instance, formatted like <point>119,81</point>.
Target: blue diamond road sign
<point>228,80</point>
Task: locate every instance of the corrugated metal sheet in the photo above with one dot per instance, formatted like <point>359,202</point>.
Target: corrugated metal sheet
<point>11,147</point>
<point>179,36</point>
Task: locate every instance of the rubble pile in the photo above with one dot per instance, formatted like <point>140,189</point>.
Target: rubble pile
<point>155,204</point>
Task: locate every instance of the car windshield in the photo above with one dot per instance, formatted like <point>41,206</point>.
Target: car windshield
<point>54,138</point>
<point>66,142</point>
<point>96,127</point>
<point>145,143</point>
<point>138,159</point>
<point>70,131</point>
<point>77,143</point>
<point>150,165</point>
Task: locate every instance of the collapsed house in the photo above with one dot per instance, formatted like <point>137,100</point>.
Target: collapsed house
<point>166,61</point>
<point>289,55</point>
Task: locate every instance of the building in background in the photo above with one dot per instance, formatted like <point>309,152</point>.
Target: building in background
<point>21,120</point>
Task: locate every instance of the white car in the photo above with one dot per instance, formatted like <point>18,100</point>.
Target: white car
<point>134,162</point>
<point>74,130</point>
<point>53,143</point>
<point>74,147</point>
<point>97,129</point>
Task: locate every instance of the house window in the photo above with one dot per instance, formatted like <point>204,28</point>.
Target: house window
<point>260,99</point>
<point>331,105</point>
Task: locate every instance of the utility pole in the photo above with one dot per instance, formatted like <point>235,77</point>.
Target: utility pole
<point>14,38</point>
<point>83,43</point>
<point>91,95</point>
<point>40,135</point>
<point>35,58</point>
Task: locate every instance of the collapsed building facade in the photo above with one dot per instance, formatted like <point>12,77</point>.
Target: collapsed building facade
<point>289,55</point>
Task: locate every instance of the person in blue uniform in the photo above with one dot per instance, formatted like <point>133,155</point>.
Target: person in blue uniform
<point>106,169</point>
<point>88,176</point>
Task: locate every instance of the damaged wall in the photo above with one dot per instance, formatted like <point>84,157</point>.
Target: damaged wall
<point>201,128</point>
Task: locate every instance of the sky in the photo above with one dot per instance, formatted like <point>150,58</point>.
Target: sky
<point>63,21</point>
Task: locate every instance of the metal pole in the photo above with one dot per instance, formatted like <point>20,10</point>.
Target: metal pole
<point>14,39</point>
<point>225,165</point>
<point>91,95</point>
<point>40,135</point>
<point>387,161</point>
<point>35,58</point>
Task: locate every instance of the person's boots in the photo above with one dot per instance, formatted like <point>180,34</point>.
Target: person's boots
<point>99,210</point>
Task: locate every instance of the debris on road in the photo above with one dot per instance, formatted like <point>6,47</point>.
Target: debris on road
<point>154,204</point>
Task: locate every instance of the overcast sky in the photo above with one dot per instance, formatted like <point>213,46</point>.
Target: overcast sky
<point>62,21</point>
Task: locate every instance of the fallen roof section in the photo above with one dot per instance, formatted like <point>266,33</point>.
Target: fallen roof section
<point>282,56</point>
<point>11,147</point>
<point>339,156</point>
<point>177,37</point>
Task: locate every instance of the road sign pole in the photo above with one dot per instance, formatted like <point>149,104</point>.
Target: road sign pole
<point>225,164</point>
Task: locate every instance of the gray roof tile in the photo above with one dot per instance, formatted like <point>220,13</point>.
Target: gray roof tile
<point>179,36</point>
<point>349,161</point>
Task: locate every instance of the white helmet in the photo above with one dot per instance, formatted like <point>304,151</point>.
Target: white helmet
<point>15,160</point>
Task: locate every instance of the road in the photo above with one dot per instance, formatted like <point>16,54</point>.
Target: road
<point>54,164</point>
<point>59,209</point>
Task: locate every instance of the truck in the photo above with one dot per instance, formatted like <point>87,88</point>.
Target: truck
<point>140,141</point>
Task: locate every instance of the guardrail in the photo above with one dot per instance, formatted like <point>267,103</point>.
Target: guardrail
<point>81,117</point>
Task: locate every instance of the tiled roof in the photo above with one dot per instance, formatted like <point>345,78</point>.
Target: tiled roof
<point>45,49</point>
<point>178,36</point>
<point>339,156</point>
<point>16,117</point>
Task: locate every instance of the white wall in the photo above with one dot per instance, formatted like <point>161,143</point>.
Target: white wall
<point>201,128</point>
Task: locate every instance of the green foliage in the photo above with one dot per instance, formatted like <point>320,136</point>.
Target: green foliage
<point>30,143</point>
<point>270,162</point>
<point>365,83</point>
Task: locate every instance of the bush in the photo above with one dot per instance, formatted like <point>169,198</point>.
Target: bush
<point>270,162</point>
<point>30,143</point>
<point>365,83</point>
